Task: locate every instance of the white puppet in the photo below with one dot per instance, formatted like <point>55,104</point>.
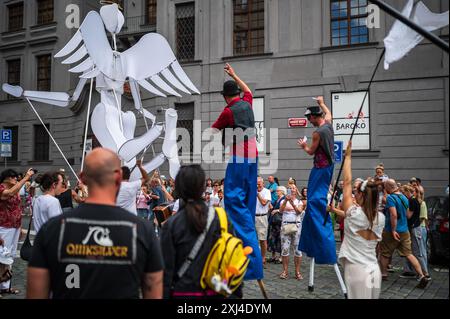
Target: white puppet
<point>150,64</point>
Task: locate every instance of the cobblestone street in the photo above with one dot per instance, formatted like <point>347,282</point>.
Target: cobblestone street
<point>326,283</point>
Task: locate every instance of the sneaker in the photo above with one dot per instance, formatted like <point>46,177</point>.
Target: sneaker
<point>422,283</point>
<point>408,275</point>
<point>390,268</point>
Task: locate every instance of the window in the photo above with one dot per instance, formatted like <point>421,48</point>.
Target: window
<point>41,143</point>
<point>248,26</point>
<point>185,121</point>
<point>348,22</point>
<point>44,66</point>
<point>15,142</point>
<point>15,17</point>
<point>345,107</point>
<point>45,11</point>
<point>185,14</point>
<point>13,73</point>
<point>150,12</point>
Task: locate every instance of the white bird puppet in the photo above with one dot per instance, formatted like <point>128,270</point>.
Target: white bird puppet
<point>150,63</point>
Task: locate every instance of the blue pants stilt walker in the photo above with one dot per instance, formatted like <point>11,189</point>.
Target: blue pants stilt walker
<point>317,240</point>
<point>240,205</point>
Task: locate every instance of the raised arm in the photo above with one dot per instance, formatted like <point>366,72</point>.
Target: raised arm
<point>347,170</point>
<point>8,193</point>
<point>144,174</point>
<point>230,71</point>
<point>323,106</point>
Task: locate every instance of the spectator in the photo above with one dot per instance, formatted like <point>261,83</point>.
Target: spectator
<point>291,229</point>
<point>272,187</point>
<point>209,185</point>
<point>48,206</point>
<point>380,177</point>
<point>274,240</point>
<point>207,199</point>
<point>221,201</point>
<point>304,196</point>
<point>142,203</point>
<point>180,233</point>
<point>11,215</point>
<point>414,228</point>
<point>156,193</point>
<point>214,198</point>
<point>222,184</point>
<point>261,218</point>
<point>171,187</point>
<point>292,181</point>
<point>116,254</point>
<point>363,230</point>
<point>396,235</point>
<point>67,196</point>
<point>128,190</point>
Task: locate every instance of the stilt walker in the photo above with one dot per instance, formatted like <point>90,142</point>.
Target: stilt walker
<point>241,174</point>
<point>317,239</point>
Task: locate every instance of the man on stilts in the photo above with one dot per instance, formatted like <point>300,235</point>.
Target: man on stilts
<point>237,119</point>
<point>317,239</point>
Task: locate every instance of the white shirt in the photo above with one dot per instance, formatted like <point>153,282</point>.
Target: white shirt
<point>45,207</point>
<point>355,248</point>
<point>127,195</point>
<point>260,209</point>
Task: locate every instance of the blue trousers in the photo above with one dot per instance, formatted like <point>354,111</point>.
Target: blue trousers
<point>240,204</point>
<point>317,239</point>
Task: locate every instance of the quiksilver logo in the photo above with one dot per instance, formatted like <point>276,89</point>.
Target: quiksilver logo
<point>100,236</point>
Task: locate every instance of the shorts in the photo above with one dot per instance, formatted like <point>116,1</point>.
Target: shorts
<point>388,244</point>
<point>262,226</point>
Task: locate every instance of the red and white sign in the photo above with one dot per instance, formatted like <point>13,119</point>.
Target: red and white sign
<point>297,122</point>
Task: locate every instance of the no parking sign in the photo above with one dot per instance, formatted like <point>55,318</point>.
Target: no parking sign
<point>338,151</point>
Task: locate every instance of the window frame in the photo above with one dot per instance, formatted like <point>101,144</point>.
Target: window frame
<point>49,67</point>
<point>37,151</point>
<point>249,30</point>
<point>192,50</point>
<point>43,11</point>
<point>151,20</point>
<point>348,18</point>
<point>8,73</point>
<point>21,16</point>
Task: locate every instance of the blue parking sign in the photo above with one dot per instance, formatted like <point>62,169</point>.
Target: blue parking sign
<point>338,151</point>
<point>6,136</point>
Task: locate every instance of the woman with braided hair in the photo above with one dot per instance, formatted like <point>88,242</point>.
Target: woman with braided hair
<point>363,230</point>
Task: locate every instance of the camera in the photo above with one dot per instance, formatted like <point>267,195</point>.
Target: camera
<point>35,171</point>
<point>289,192</point>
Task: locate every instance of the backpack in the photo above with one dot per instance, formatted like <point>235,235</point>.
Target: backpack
<point>227,261</point>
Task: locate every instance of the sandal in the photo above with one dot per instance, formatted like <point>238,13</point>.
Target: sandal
<point>298,276</point>
<point>10,291</point>
<point>283,275</point>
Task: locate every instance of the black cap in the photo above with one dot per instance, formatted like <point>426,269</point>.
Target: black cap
<point>313,110</point>
<point>230,88</point>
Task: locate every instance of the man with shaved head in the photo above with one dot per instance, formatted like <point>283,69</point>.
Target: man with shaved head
<point>396,235</point>
<point>98,250</point>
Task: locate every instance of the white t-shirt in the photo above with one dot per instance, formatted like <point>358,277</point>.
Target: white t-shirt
<point>127,195</point>
<point>260,209</point>
<point>45,207</point>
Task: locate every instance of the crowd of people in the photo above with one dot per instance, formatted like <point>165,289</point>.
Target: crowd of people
<point>396,217</point>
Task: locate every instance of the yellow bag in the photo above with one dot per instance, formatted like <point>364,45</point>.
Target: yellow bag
<point>227,261</point>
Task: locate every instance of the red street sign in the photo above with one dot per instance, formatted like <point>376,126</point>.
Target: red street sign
<point>297,122</point>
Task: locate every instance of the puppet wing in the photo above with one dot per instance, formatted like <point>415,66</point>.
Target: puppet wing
<point>153,65</point>
<point>90,40</point>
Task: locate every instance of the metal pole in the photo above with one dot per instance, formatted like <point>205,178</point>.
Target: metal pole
<point>87,125</point>
<point>426,34</point>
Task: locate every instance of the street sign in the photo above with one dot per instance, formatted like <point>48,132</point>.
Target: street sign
<point>6,143</point>
<point>338,151</point>
<point>297,122</point>
<point>6,136</point>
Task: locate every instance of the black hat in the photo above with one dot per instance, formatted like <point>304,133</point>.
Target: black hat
<point>230,88</point>
<point>313,110</point>
<point>8,173</point>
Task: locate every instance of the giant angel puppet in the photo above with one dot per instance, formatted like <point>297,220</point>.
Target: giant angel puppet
<point>149,64</point>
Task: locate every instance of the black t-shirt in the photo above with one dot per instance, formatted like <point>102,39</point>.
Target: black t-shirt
<point>111,247</point>
<point>414,206</point>
<point>65,199</point>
